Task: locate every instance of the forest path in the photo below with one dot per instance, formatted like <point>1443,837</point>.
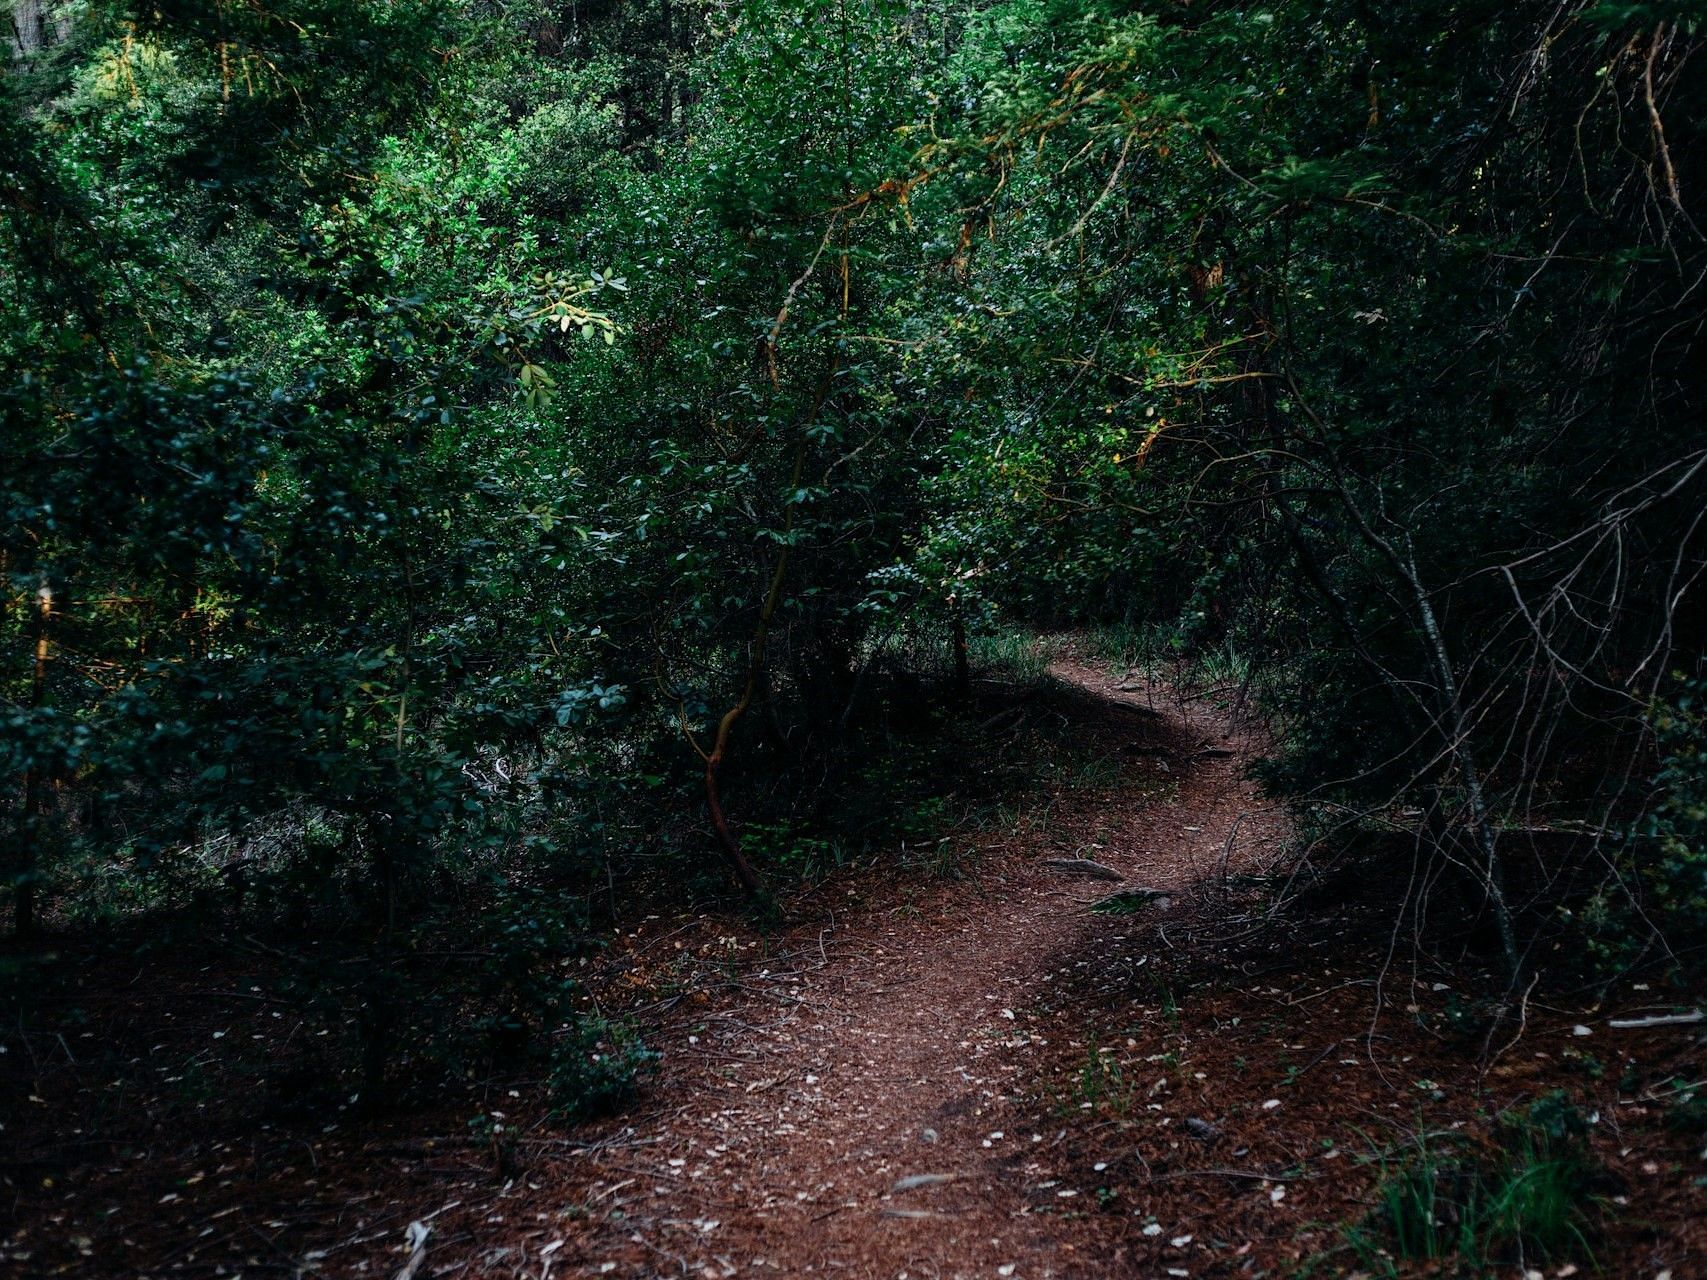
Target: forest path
<point>874,1112</point>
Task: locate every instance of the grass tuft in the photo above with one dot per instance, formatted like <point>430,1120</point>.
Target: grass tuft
<point>1525,1199</point>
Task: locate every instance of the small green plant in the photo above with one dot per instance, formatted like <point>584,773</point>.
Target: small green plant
<point>488,1128</point>
<point>1686,1108</point>
<point>1096,771</point>
<point>1013,655</point>
<point>1585,1063</point>
<point>597,1066</point>
<point>522,988</point>
<point>784,846</point>
<point>1170,1006</point>
<point>940,859</point>
<point>1466,1019</point>
<point>1102,1083</point>
<point>1127,903</point>
<point>1679,823</point>
<point>1523,1198</point>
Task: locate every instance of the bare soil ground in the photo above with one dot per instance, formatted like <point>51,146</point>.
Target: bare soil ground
<point>878,1116</point>
<point>974,1074</point>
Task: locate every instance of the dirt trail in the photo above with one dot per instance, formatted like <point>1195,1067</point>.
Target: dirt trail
<point>875,1114</point>
<point>940,1077</point>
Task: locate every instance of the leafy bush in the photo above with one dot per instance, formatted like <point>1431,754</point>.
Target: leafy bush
<point>524,991</point>
<point>597,1065</point>
<point>1678,874</point>
<point>791,851</point>
<point>1664,860</point>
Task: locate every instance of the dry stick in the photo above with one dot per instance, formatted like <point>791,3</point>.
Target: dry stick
<point>1227,848</point>
<point>1654,119</point>
<point>1522,1025</point>
<point>1493,870</point>
<point>788,299</point>
<point>1657,1020</point>
<point>1255,1175</point>
<point>417,1256</point>
<point>1459,743</point>
<point>1096,204</point>
<point>1084,867</point>
<point>1318,1059</point>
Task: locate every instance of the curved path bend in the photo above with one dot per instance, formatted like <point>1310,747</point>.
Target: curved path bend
<point>874,1113</point>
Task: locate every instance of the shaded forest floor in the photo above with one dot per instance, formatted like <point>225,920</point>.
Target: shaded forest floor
<point>1001,1069</point>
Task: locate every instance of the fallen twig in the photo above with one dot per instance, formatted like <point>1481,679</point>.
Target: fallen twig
<point>1084,867</point>
<point>1658,1020</point>
<point>417,1236</point>
<point>1254,1175</point>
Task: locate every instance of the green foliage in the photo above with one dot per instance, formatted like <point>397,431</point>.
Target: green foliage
<point>1266,344</point>
<point>596,1066</point>
<point>1665,858</point>
<point>1011,654</point>
<point>793,853</point>
<point>523,989</point>
<point>254,567</point>
<point>1102,1084</point>
<point>1129,903</point>
<point>1678,824</point>
<point>1528,1200</point>
<point>445,446</point>
<point>1686,1108</point>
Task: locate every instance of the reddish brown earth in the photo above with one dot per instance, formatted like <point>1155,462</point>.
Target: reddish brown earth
<point>909,1050</point>
<point>964,1075</point>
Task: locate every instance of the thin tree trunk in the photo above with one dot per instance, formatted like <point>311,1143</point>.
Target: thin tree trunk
<point>1460,746</point>
<point>35,783</point>
<point>1493,871</point>
<point>732,851</point>
<point>29,27</point>
<point>962,661</point>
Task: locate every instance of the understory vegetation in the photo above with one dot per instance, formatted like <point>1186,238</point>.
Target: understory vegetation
<point>472,471</point>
